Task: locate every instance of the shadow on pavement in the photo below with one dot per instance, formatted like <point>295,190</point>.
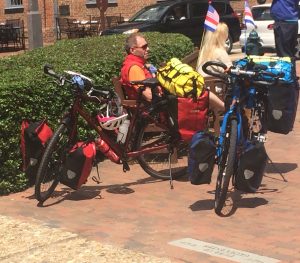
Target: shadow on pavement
<point>87,192</point>
<point>280,167</point>
<point>236,199</point>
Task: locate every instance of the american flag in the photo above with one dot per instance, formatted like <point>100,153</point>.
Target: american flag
<point>248,18</point>
<point>212,19</point>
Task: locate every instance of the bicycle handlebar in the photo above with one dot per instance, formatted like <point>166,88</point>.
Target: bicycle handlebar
<point>256,72</point>
<point>48,69</point>
<point>214,73</point>
<point>80,81</point>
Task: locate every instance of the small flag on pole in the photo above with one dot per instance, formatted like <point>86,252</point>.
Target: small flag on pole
<point>248,18</point>
<point>212,19</point>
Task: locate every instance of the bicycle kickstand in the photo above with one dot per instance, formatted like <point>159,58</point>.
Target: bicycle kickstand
<point>170,168</point>
<point>271,162</point>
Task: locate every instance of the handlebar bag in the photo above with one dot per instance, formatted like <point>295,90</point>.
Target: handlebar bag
<point>251,167</point>
<point>78,164</point>
<point>275,65</point>
<point>201,159</point>
<point>190,115</point>
<point>34,137</point>
<point>180,79</point>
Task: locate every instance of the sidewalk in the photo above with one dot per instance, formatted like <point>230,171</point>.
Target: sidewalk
<point>36,242</point>
<point>131,217</point>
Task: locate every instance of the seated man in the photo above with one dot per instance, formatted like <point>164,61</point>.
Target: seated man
<point>134,66</point>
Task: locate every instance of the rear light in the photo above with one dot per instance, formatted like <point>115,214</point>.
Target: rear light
<point>270,27</point>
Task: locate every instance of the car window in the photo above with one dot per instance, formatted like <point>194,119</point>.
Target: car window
<point>220,7</point>
<point>198,9</point>
<point>152,13</point>
<point>261,13</point>
<point>178,12</point>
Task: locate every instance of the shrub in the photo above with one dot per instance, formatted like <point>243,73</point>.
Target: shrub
<point>26,93</point>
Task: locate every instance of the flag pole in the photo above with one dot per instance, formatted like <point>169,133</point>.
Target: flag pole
<point>201,43</point>
<point>245,44</point>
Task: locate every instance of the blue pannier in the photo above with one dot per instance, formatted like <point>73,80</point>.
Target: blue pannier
<point>201,158</point>
<point>283,96</point>
<point>251,167</point>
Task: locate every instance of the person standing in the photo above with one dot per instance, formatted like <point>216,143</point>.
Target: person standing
<point>285,14</point>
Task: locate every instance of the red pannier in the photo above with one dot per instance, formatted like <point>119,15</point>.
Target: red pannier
<point>78,164</point>
<point>190,114</point>
<point>34,137</point>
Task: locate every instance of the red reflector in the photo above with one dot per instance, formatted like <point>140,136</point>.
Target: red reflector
<point>270,27</point>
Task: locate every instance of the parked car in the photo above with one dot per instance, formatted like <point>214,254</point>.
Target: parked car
<point>163,17</point>
<point>264,22</point>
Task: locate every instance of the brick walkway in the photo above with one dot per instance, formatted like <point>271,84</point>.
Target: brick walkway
<point>135,212</point>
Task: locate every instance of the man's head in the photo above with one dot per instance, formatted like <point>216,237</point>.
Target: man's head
<point>137,45</point>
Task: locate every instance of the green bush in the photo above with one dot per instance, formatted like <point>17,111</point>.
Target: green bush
<point>26,93</point>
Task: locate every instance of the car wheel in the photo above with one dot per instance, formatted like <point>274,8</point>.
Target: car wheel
<point>297,55</point>
<point>228,44</point>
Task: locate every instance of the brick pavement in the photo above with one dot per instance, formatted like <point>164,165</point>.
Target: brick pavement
<point>135,212</point>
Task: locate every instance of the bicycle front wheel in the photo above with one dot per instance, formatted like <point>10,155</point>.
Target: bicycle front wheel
<point>48,174</point>
<point>156,163</point>
<point>226,166</point>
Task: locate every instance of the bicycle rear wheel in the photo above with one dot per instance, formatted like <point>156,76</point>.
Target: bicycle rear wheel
<point>226,166</point>
<point>48,174</point>
<point>156,163</point>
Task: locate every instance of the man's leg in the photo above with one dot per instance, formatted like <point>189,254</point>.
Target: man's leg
<point>285,38</point>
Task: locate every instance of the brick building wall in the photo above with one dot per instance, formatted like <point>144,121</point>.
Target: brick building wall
<point>78,9</point>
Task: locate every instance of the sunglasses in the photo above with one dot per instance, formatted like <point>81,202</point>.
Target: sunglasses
<point>144,47</point>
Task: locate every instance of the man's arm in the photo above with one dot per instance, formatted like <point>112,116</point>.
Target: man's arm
<point>135,74</point>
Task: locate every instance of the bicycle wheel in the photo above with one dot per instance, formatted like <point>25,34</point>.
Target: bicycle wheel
<point>156,163</point>
<point>226,166</point>
<point>51,164</point>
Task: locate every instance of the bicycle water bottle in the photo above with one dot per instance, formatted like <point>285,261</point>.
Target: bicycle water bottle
<point>123,130</point>
<point>102,146</point>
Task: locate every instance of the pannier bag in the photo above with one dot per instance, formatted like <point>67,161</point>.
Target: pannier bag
<point>34,137</point>
<point>180,79</point>
<point>190,115</point>
<point>282,107</point>
<point>282,97</point>
<point>78,164</point>
<point>201,158</point>
<point>251,167</point>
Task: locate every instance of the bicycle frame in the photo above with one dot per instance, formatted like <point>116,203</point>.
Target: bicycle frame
<point>76,110</point>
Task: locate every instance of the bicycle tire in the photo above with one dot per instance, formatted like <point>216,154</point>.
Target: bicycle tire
<point>226,166</point>
<point>156,163</point>
<point>49,169</point>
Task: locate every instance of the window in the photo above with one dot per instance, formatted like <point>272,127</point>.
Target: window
<point>14,3</point>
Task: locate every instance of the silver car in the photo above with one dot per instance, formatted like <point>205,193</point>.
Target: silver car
<point>264,23</point>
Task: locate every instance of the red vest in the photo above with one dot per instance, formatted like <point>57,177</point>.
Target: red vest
<point>130,61</point>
